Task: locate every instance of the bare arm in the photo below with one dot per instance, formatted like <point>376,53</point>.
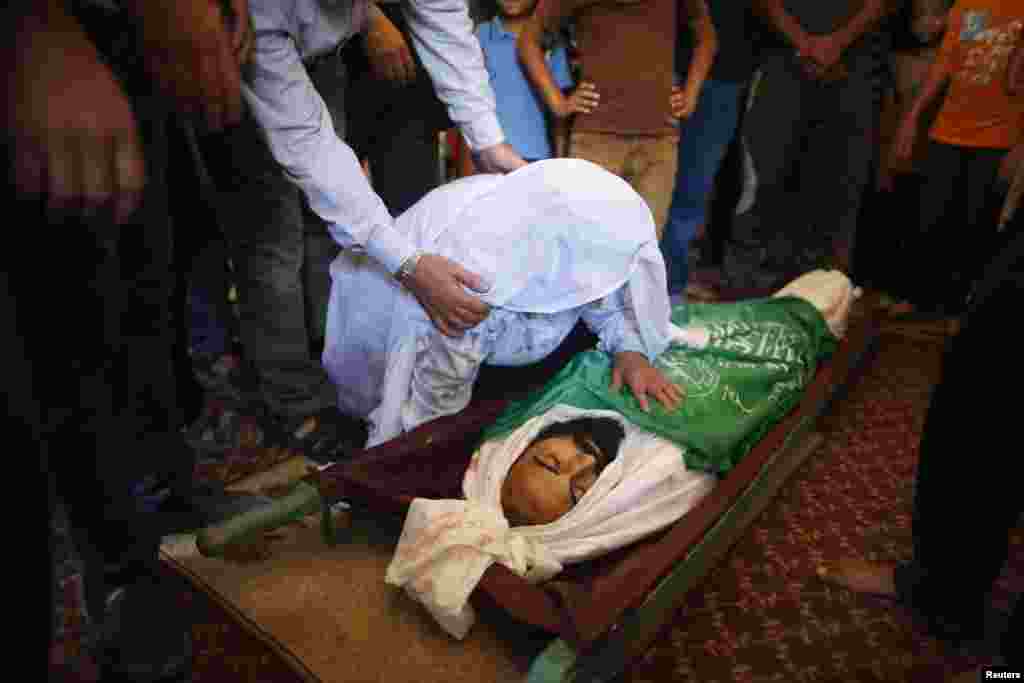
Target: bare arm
<point>705,48</point>
<point>939,73</point>
<point>546,17</point>
<point>560,137</point>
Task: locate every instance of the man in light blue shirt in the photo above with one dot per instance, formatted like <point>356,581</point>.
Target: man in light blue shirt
<point>292,142</point>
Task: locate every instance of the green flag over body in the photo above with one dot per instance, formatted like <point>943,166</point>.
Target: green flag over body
<point>743,366</point>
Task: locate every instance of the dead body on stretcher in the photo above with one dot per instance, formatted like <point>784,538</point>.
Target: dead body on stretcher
<point>561,241</point>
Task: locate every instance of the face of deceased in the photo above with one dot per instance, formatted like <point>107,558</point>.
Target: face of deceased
<point>548,479</point>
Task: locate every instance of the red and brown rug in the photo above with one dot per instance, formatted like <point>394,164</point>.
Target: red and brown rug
<point>763,616</point>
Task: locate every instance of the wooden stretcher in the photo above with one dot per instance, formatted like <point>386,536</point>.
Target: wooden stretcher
<point>603,614</point>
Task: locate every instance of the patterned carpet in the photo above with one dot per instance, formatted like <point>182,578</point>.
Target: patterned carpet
<point>762,615</point>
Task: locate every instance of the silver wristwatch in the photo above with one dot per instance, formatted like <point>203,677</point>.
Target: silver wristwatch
<point>408,266</point>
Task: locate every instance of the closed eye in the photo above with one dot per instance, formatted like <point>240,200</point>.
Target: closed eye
<point>550,464</point>
<point>591,449</point>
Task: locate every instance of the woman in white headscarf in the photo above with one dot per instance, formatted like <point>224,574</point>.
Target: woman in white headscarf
<point>557,241</point>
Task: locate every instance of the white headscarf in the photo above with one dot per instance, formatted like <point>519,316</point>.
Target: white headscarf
<point>446,545</point>
<point>549,237</point>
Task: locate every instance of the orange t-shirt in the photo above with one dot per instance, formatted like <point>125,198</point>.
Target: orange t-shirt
<point>977,111</point>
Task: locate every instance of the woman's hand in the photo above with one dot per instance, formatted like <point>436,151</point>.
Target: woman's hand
<point>644,379</point>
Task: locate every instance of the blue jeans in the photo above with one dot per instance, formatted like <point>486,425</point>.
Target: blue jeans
<point>704,139</point>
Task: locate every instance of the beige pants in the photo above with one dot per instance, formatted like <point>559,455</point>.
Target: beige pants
<point>646,162</point>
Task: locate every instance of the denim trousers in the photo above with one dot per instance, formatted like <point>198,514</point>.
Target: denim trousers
<point>704,139</point>
<point>281,254</point>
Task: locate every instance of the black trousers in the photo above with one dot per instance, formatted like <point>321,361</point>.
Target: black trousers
<point>954,236</point>
<point>967,497</point>
<point>813,135</point>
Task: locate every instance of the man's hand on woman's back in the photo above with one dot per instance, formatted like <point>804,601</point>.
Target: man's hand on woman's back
<point>438,284</point>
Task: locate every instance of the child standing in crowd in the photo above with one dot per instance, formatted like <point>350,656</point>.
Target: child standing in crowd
<point>977,123</point>
<point>627,50</point>
<point>520,109</point>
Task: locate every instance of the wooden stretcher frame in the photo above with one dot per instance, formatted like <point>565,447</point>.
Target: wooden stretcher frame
<point>608,618</point>
<point>598,637</point>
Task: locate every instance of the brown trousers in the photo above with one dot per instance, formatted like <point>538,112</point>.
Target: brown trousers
<point>647,162</point>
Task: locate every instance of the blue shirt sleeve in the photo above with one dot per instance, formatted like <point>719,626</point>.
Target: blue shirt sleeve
<point>559,63</point>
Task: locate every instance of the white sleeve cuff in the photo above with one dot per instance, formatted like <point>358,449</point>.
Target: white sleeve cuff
<point>389,247</point>
<point>482,132</point>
